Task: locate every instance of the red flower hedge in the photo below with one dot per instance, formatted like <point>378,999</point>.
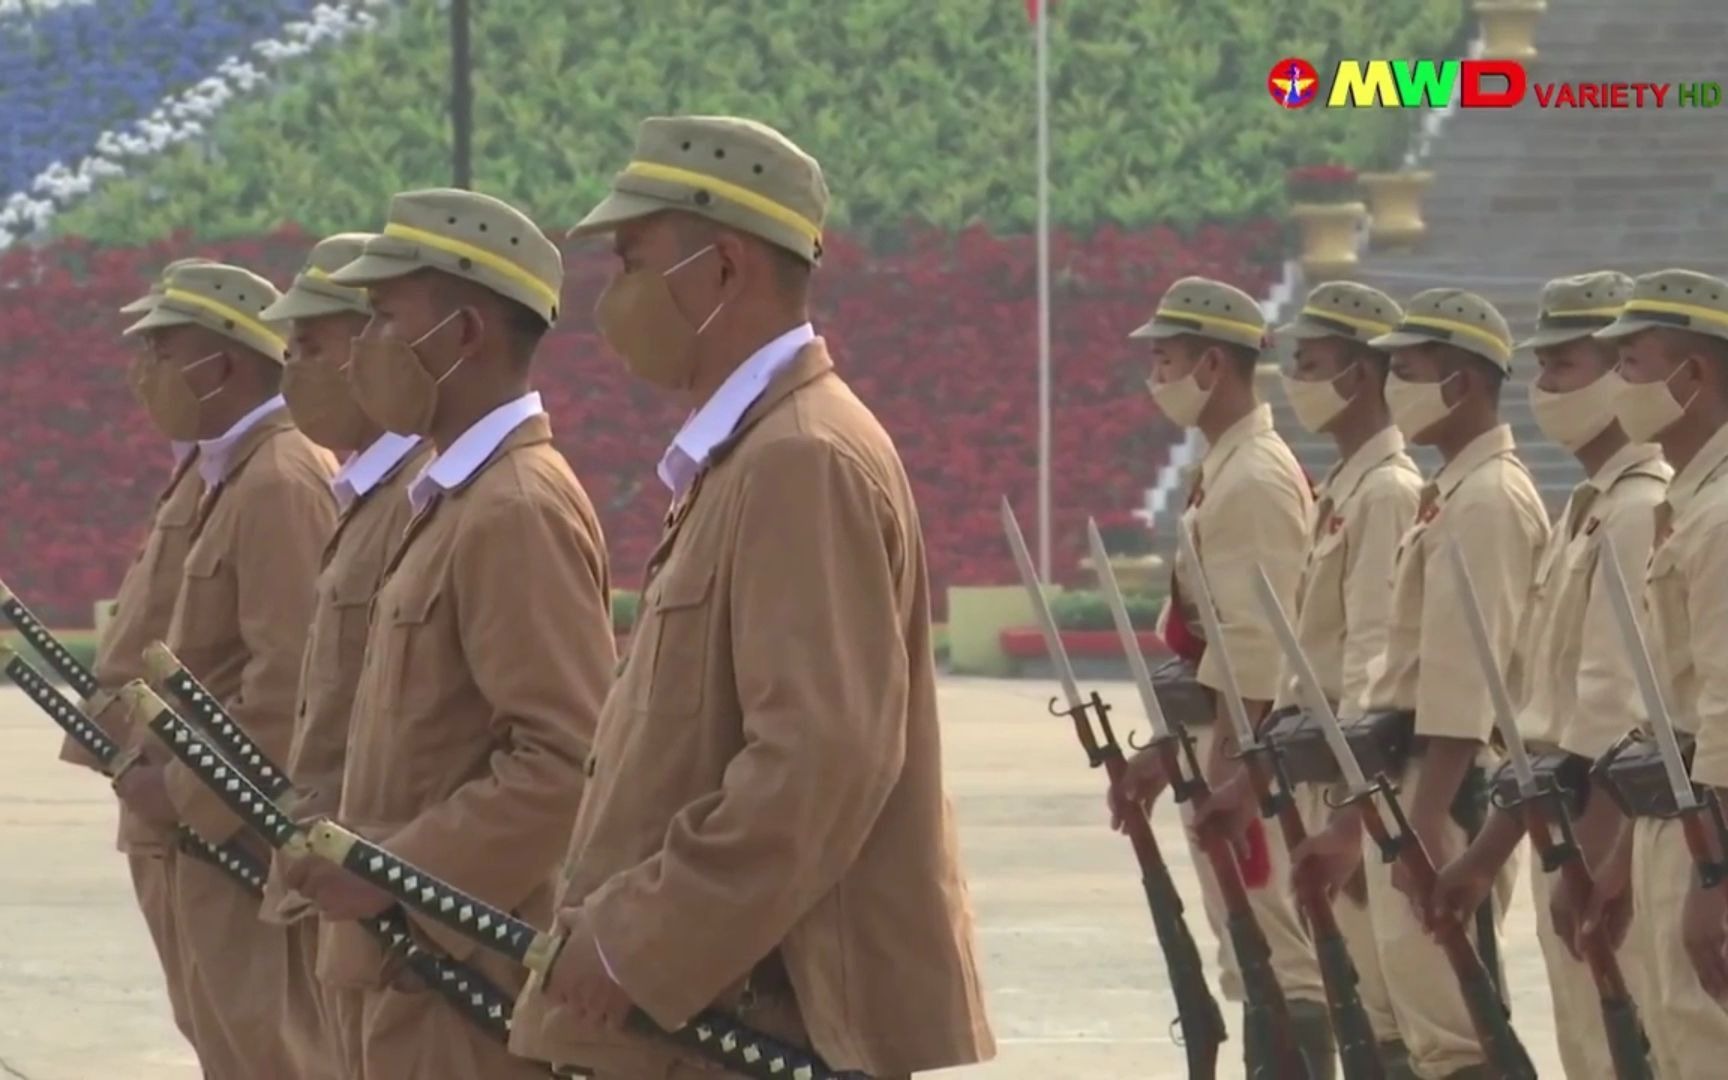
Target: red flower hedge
<point>939,338</point>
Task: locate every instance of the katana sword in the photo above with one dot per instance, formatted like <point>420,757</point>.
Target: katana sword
<point>472,994</point>
<point>40,638</point>
<point>1358,1049</point>
<point>1539,806</point>
<point>711,1034</point>
<point>232,859</point>
<point>1708,857</point>
<point>238,747</point>
<point>1197,1012</point>
<point>1481,998</point>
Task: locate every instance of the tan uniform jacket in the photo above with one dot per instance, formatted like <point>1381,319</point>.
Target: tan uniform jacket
<point>142,610</point>
<point>1687,599</point>
<point>489,654</point>
<point>768,775</point>
<point>1578,688</point>
<point>1366,503</point>
<point>1250,504</point>
<point>1484,500</point>
<point>354,559</point>
<point>240,623</point>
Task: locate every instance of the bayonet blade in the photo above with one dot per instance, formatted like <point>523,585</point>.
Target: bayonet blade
<point>1245,735</point>
<point>1309,683</point>
<point>1482,645</point>
<point>1644,671</point>
<point>1040,606</point>
<point>1125,630</point>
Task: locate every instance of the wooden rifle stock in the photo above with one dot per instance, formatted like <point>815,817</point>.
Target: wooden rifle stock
<point>1487,1011</point>
<point>1619,1015</point>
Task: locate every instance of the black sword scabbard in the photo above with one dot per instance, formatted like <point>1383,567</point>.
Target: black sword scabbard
<point>237,746</point>
<point>60,709</point>
<point>40,638</point>
<point>711,1034</point>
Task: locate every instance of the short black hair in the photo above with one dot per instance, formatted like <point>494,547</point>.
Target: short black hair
<point>1491,373</point>
<point>1677,343</point>
<point>523,326</point>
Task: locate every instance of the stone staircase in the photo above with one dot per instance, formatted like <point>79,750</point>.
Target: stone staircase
<point>1527,194</point>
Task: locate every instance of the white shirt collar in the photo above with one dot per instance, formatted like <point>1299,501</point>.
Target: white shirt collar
<point>363,472</point>
<point>452,468</point>
<point>215,456</point>
<point>718,417</point>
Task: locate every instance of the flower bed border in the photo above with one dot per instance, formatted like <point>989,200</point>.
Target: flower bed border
<point>1027,643</point>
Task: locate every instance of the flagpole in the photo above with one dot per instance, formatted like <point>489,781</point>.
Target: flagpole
<point>1043,32</point>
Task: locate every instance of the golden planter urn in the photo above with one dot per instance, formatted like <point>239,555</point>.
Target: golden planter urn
<point>1509,28</point>
<point>1395,207</point>
<point>1135,573</point>
<point>1328,237</point>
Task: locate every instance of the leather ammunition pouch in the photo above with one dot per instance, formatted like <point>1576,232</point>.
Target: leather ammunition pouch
<point>1631,774</point>
<point>1299,737</point>
<point>1382,742</point>
<point>1555,770</point>
<point>1184,700</point>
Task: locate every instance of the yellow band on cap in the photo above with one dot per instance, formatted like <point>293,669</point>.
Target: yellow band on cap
<point>316,274</point>
<point>480,255</point>
<point>1366,325</point>
<point>1674,308</point>
<point>312,273</point>
<point>785,215</point>
<point>1573,313</point>
<point>217,307</point>
<point>1211,320</point>
<point>1500,347</point>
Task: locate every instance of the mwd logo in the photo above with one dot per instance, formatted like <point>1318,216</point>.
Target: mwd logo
<point>1294,83</point>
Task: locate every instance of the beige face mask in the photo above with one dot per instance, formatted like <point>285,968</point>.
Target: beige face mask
<point>1415,406</point>
<point>391,384</point>
<point>641,321</point>
<point>1573,417</point>
<point>1182,400</point>
<point>169,399</point>
<point>321,401</point>
<point>1316,402</point>
<point>1647,409</point>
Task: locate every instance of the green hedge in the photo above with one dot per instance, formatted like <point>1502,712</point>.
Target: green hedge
<point>1086,610</point>
<point>919,111</point>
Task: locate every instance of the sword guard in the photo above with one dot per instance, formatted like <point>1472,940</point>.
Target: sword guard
<point>1100,745</point>
<point>1278,792</point>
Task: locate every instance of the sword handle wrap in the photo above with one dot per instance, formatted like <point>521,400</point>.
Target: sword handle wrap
<point>61,709</point>
<point>56,655</point>
<point>724,1041</point>
<point>231,859</point>
<point>472,994</point>
<point>238,746</point>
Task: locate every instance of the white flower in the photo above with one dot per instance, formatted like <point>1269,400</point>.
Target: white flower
<point>182,117</point>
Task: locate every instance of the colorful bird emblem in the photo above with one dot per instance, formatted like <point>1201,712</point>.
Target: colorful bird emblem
<point>1292,82</point>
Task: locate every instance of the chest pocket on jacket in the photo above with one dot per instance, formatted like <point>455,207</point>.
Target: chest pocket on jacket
<point>343,609</point>
<point>172,532</point>
<point>205,614</point>
<point>682,614</point>
<point>417,665</point>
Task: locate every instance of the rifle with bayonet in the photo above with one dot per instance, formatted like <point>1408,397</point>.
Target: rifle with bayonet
<point>1358,1049</point>
<point>77,720</point>
<point>715,1036</point>
<point>1541,802</point>
<point>1482,999</point>
<point>472,994</point>
<point>1197,1013</point>
<point>1638,769</point>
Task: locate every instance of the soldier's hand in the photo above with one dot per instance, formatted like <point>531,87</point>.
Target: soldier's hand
<point>144,788</point>
<point>1704,932</point>
<point>1228,812</point>
<point>1330,858</point>
<point>1605,910</point>
<point>340,895</point>
<point>579,980</point>
<point>1142,782</point>
<point>1459,889</point>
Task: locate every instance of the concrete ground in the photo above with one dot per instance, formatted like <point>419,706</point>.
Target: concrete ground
<point>1073,972</point>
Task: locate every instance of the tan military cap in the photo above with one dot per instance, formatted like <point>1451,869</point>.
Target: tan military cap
<point>1344,309</point>
<point>466,235</point>
<point>218,297</point>
<point>313,293</point>
<point>1209,309</point>
<point>737,172</point>
<point>150,299</point>
<point>1676,299</point>
<point>1453,317</point>
<point>1578,306</point>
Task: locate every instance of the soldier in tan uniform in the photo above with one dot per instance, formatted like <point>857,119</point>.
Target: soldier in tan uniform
<point>765,828</point>
<point>1450,356</point>
<point>1250,504</point>
<point>1672,339</point>
<point>142,609</point>
<point>371,491</point>
<point>1365,504</point>
<point>490,647</point>
<point>1578,689</point>
<point>240,627</point>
